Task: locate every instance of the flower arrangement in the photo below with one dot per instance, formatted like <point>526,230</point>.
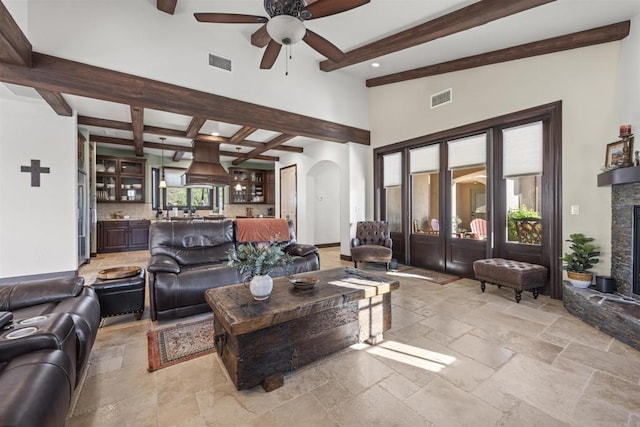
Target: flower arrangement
<point>258,259</point>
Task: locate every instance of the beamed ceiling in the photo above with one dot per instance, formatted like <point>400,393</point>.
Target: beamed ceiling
<point>410,39</point>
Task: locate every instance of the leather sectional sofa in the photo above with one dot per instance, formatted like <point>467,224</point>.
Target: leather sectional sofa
<point>189,258</point>
<point>47,330</point>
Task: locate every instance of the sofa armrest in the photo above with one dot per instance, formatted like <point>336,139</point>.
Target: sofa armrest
<point>5,317</point>
<point>388,242</point>
<point>355,242</point>
<point>300,249</point>
<point>163,264</point>
<point>25,294</point>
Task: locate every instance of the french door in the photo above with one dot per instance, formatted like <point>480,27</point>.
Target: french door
<point>491,189</point>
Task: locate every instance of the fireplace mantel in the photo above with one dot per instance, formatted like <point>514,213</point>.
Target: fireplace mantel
<point>619,176</point>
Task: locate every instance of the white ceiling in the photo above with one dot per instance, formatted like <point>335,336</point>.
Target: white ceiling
<point>135,37</point>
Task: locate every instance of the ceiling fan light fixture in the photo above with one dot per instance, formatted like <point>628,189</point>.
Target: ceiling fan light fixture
<point>286,30</point>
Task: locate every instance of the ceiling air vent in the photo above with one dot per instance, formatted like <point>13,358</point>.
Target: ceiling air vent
<point>441,98</point>
<point>219,62</point>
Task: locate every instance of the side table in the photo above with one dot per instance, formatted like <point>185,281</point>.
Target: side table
<point>121,296</point>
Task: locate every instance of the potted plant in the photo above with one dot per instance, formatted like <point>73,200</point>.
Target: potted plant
<point>583,256</point>
<point>256,261</point>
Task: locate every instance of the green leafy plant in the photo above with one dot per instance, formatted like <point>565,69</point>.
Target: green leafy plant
<point>519,213</point>
<point>257,259</point>
<point>583,255</point>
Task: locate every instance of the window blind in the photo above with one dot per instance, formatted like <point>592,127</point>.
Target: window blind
<point>522,149</point>
<point>392,169</point>
<point>470,151</point>
<point>425,159</point>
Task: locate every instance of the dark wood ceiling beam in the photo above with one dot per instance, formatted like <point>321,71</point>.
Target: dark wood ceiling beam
<point>247,143</point>
<point>260,38</point>
<point>57,102</point>
<point>594,36</point>
<point>170,147</point>
<point>195,126</point>
<point>15,48</point>
<point>104,123</point>
<point>167,6</point>
<point>177,156</point>
<point>75,78</point>
<point>241,134</point>
<point>275,142</point>
<point>137,124</point>
<point>474,15</point>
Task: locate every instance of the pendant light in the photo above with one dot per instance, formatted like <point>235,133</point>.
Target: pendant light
<point>163,183</point>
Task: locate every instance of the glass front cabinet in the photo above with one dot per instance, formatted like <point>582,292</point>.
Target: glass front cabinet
<point>120,179</point>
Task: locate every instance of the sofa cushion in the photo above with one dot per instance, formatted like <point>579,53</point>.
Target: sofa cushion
<point>192,243</point>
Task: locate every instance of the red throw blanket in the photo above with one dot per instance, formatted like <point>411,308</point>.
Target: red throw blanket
<point>262,229</point>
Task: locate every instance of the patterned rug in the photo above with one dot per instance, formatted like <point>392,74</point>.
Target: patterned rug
<point>179,343</point>
<point>424,274</point>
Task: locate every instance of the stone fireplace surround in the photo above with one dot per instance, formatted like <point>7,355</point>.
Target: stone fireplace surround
<point>616,314</point>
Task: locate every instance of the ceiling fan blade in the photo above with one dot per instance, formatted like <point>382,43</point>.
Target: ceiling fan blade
<point>260,38</point>
<point>230,18</point>
<point>323,46</point>
<point>323,8</point>
<point>270,55</point>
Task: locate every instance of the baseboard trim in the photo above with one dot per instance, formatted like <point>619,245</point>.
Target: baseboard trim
<point>43,276</point>
<point>327,245</point>
<point>346,257</point>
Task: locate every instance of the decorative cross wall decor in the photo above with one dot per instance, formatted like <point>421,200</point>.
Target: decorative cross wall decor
<point>35,171</point>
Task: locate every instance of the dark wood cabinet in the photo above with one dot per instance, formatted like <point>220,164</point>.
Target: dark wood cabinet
<point>252,186</point>
<point>138,235</point>
<point>120,179</point>
<point>122,236</point>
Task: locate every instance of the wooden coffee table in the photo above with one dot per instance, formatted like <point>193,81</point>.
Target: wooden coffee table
<point>259,341</point>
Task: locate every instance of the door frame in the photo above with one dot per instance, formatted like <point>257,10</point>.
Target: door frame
<point>295,193</point>
<point>552,196</point>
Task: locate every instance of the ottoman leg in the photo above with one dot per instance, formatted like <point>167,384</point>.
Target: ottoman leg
<point>518,295</point>
<point>482,285</point>
<point>535,293</point>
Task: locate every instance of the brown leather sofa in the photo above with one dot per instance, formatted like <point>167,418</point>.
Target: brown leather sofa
<point>189,258</point>
<point>47,330</point>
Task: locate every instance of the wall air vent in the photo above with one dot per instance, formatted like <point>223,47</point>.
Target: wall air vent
<point>219,62</point>
<point>441,98</point>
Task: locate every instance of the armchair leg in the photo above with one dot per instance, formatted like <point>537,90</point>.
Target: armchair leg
<point>386,265</point>
<point>355,264</point>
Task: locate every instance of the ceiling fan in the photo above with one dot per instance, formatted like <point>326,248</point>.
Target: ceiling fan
<point>285,24</point>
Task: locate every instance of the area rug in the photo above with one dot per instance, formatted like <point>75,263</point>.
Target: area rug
<point>424,274</point>
<point>179,343</point>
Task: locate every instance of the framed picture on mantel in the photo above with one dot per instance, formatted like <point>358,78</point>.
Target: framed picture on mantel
<point>615,154</point>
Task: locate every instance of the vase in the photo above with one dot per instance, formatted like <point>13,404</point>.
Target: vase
<point>579,280</point>
<point>261,287</point>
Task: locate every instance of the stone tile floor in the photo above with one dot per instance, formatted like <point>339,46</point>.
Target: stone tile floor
<point>454,357</point>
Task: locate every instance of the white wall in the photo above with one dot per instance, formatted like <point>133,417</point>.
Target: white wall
<point>323,202</point>
<point>629,87</point>
<point>37,224</point>
<point>585,80</point>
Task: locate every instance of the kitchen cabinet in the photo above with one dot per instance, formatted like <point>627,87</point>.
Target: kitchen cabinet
<point>251,186</point>
<point>122,236</point>
<point>120,179</point>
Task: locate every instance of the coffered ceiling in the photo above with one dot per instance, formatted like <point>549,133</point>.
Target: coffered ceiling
<point>163,85</point>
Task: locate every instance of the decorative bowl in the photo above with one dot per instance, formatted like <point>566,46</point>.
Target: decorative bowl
<point>111,169</point>
<point>303,282</point>
<point>100,168</point>
<point>99,184</point>
<point>136,186</point>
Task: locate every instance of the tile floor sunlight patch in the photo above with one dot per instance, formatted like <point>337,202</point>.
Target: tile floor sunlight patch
<point>410,355</point>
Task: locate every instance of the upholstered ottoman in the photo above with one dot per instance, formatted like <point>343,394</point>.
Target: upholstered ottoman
<point>520,276</point>
<point>121,296</point>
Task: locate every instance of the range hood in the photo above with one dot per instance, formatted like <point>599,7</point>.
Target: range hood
<point>205,170</point>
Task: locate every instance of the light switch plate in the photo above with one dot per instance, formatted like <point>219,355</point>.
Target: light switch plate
<point>575,209</point>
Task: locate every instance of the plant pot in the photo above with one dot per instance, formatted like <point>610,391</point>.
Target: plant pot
<point>579,280</point>
<point>261,287</point>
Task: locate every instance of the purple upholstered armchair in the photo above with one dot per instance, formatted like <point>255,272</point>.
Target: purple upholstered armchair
<point>372,243</point>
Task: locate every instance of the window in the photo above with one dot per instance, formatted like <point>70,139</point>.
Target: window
<point>467,158</point>
<point>522,170</point>
<point>155,190</point>
<point>177,196</point>
<point>424,167</point>
<point>392,177</point>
